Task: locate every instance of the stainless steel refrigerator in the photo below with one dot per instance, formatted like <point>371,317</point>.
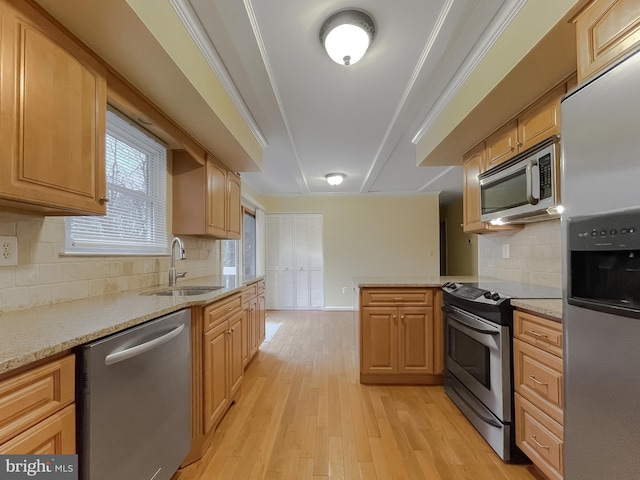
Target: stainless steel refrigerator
<point>601,275</point>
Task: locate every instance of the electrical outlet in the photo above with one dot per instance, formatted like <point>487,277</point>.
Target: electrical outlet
<point>344,289</point>
<point>8,251</point>
<point>505,250</point>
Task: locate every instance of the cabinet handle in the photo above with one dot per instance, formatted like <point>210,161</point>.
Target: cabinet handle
<point>398,299</point>
<point>533,437</point>
<point>103,200</point>
<point>518,144</point>
<point>229,309</point>
<point>536,334</point>
<point>512,148</point>
<point>534,379</point>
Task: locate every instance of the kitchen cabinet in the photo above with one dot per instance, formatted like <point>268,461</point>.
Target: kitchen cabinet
<point>206,198</point>
<point>606,32</point>
<point>253,301</point>
<point>398,336</point>
<point>535,124</point>
<point>52,117</point>
<point>538,382</point>
<point>37,410</point>
<point>216,368</point>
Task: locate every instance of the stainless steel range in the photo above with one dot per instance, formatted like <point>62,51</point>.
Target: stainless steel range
<point>478,362</point>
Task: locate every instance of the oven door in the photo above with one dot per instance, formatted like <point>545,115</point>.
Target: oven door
<point>478,356</point>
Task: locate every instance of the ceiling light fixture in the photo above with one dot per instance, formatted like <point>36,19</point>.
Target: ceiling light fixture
<point>334,179</point>
<point>346,35</point>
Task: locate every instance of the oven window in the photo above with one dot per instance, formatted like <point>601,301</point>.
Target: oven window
<point>470,355</point>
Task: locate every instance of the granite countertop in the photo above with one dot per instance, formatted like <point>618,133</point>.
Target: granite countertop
<point>36,333</point>
<point>426,281</point>
<point>549,307</point>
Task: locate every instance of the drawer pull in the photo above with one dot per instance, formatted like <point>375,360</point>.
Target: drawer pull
<point>536,334</point>
<point>398,299</point>
<point>534,379</point>
<point>533,437</point>
<point>229,308</point>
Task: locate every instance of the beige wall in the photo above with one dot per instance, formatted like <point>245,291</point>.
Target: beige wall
<point>370,236</point>
<point>534,255</point>
<point>462,248</point>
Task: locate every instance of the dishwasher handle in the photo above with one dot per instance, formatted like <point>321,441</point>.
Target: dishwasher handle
<point>143,347</point>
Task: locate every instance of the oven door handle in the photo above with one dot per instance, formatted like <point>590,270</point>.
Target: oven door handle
<point>454,315</point>
<point>491,421</point>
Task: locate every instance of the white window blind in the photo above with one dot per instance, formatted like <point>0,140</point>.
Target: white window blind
<point>136,219</point>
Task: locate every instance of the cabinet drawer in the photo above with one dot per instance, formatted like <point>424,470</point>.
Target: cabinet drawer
<point>56,435</point>
<point>372,297</point>
<point>249,292</point>
<point>30,397</point>
<point>540,438</point>
<point>220,311</point>
<point>543,333</point>
<point>538,378</point>
<point>260,287</point>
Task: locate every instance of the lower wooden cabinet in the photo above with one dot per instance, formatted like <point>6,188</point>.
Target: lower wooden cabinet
<point>400,329</point>
<point>253,306</point>
<point>37,413</point>
<point>539,400</point>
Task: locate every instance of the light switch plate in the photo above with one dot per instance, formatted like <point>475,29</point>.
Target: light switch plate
<point>8,251</point>
<point>505,250</point>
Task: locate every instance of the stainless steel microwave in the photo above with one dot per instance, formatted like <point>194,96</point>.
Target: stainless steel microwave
<point>523,189</point>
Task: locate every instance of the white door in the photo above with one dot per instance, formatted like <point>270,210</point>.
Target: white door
<point>295,262</point>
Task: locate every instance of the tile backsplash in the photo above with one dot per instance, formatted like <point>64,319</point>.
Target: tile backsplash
<point>45,276</point>
<point>535,254</point>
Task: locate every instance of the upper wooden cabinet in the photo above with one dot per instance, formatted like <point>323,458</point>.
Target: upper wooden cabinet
<point>606,31</point>
<point>472,166</point>
<point>501,145</point>
<point>537,123</point>
<point>52,117</point>
<point>206,198</point>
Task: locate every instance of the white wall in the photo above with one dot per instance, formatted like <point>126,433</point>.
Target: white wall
<point>370,236</point>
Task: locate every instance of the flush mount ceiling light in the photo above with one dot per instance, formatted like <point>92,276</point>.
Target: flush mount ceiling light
<point>334,179</point>
<point>346,35</point>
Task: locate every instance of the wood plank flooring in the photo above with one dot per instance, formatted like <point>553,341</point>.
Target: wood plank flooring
<point>304,415</point>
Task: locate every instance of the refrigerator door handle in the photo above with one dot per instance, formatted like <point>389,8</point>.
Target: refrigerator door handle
<point>143,347</point>
<point>533,182</point>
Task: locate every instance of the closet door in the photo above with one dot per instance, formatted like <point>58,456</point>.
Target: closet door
<point>286,276</point>
<point>316,263</point>
<point>272,262</point>
<point>302,262</point>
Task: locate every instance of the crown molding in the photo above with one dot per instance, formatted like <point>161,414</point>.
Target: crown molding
<point>378,165</point>
<point>199,35</point>
<point>488,39</point>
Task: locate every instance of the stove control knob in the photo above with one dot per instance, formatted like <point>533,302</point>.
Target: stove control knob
<point>487,295</point>
<point>495,296</point>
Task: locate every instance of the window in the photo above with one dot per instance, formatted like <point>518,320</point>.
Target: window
<point>229,257</point>
<point>249,243</point>
<point>136,219</point>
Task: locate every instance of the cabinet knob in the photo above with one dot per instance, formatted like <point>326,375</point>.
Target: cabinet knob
<point>401,317</point>
<point>103,200</point>
<point>518,144</point>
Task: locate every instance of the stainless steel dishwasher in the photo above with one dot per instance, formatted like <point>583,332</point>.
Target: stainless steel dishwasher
<point>134,420</point>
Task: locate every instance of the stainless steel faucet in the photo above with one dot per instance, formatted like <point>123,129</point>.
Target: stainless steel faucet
<point>173,276</point>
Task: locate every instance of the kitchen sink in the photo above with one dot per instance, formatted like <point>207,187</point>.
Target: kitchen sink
<point>186,291</point>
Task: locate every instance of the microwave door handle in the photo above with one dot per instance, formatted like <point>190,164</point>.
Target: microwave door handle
<point>533,182</point>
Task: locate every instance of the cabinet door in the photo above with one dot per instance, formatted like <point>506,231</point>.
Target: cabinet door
<point>261,318</point>
<point>246,333</point>
<point>55,435</point>
<point>234,211</point>
<point>216,382</point>
<point>606,31</point>
<point>472,166</point>
<point>216,199</point>
<point>253,327</point>
<point>379,337</point>
<point>52,116</point>
<point>415,340</point>
<point>501,145</point>
<point>236,369</point>
<point>541,121</point>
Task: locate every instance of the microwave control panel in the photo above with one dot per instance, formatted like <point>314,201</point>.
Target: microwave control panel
<point>546,176</point>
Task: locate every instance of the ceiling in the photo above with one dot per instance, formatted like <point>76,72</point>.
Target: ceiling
<point>314,116</point>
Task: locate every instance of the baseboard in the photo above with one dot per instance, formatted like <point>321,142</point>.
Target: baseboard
<point>339,309</point>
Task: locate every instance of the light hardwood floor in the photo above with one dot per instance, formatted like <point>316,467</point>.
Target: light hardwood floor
<point>304,415</point>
